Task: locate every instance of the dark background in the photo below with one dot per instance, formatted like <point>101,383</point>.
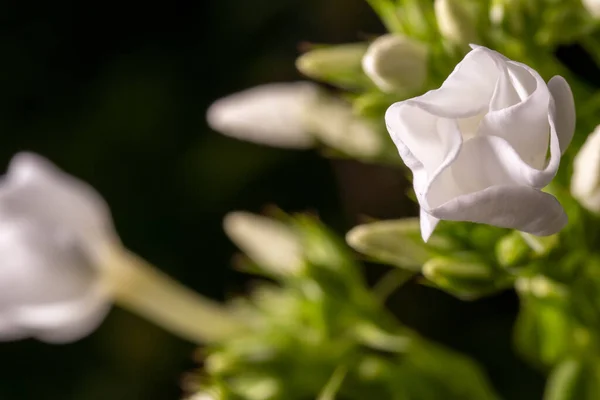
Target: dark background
<point>116,93</point>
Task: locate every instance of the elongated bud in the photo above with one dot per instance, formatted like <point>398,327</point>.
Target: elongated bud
<point>273,245</point>
<point>396,242</point>
<point>585,182</point>
<point>338,65</point>
<point>273,114</point>
<point>465,278</point>
<point>396,63</point>
<point>454,22</point>
<point>334,123</point>
<point>593,7</point>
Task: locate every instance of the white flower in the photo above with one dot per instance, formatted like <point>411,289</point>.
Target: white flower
<point>478,146</point>
<point>593,7</point>
<point>271,244</point>
<point>585,183</point>
<point>62,264</point>
<point>273,114</point>
<point>52,228</point>
<point>396,63</point>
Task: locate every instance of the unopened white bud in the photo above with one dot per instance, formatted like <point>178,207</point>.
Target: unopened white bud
<point>396,63</point>
<point>272,114</point>
<point>585,182</point>
<point>593,7</point>
<point>269,243</point>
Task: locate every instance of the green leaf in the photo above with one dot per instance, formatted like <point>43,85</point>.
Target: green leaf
<point>543,332</point>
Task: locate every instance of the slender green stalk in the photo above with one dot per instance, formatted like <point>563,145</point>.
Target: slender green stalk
<point>146,291</point>
<point>390,282</point>
<point>333,385</point>
<point>388,13</point>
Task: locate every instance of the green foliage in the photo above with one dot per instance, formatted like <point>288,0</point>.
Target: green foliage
<point>324,333</point>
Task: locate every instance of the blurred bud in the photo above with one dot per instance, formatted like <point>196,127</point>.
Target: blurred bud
<point>273,114</point>
<point>465,278</point>
<point>512,250</point>
<point>269,243</point>
<point>541,287</point>
<point>455,22</point>
<point>585,182</point>
<point>334,123</point>
<point>593,7</point>
<point>338,65</point>
<point>497,11</point>
<point>395,242</point>
<point>396,63</point>
<point>256,387</point>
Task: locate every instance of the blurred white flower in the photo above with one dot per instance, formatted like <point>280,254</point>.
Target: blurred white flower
<point>454,22</point>
<point>62,264</point>
<point>593,7</point>
<point>272,114</point>
<point>478,145</point>
<point>269,243</point>
<point>52,231</point>
<point>585,182</point>
<point>396,63</point>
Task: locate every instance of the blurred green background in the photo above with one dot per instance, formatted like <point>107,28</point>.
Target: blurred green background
<point>116,93</point>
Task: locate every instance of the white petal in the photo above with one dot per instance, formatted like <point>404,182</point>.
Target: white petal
<point>67,321</point>
<point>517,207</point>
<point>272,114</point>
<point>526,127</point>
<point>469,88</point>
<point>562,110</point>
<point>428,224</point>
<point>36,189</point>
<point>483,161</point>
<point>47,285</point>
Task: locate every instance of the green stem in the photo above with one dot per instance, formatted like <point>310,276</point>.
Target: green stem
<point>390,282</point>
<point>333,385</point>
<point>146,291</point>
<point>388,13</point>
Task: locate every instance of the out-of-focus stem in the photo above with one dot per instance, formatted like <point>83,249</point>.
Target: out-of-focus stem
<point>146,291</point>
<point>388,13</point>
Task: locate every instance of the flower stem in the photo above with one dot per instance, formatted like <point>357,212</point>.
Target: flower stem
<point>388,13</point>
<point>141,288</point>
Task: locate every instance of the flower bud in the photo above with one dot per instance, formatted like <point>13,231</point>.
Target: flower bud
<point>396,63</point>
<point>465,278</point>
<point>338,65</point>
<point>593,7</point>
<point>334,123</point>
<point>273,114</point>
<point>273,245</point>
<point>585,182</point>
<point>454,22</point>
<point>396,242</point>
